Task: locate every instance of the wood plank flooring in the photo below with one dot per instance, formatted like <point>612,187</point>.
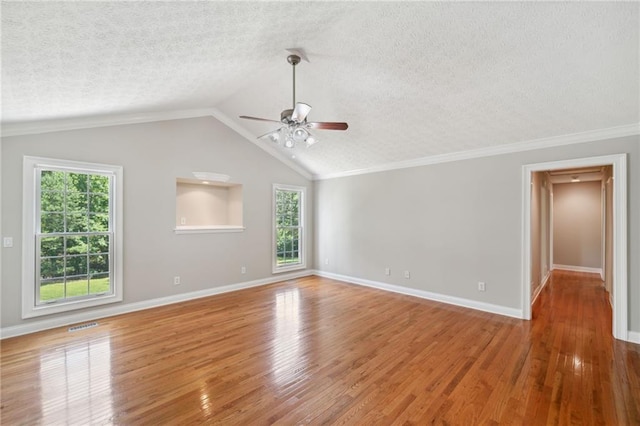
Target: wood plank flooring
<point>317,351</point>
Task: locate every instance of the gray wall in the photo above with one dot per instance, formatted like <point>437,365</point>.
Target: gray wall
<point>153,155</point>
<point>451,224</point>
<point>577,224</point>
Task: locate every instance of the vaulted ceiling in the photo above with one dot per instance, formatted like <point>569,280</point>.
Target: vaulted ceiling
<point>412,79</point>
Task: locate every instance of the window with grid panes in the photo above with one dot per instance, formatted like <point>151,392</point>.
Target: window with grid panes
<point>74,236</point>
<point>288,228</point>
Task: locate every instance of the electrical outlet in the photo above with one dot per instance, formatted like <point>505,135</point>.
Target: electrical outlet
<point>243,270</point>
<point>481,286</point>
<point>326,261</point>
<point>7,242</point>
<point>407,274</point>
<point>176,280</point>
<point>183,221</point>
<point>387,271</point>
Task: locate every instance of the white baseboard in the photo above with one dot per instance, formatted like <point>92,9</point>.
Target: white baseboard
<point>633,337</point>
<point>545,280</point>
<point>578,269</point>
<point>95,314</point>
<point>451,300</point>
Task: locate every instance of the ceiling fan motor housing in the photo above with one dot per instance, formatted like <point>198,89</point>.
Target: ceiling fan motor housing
<point>285,117</point>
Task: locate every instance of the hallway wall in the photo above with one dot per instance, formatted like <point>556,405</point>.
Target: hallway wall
<point>577,225</point>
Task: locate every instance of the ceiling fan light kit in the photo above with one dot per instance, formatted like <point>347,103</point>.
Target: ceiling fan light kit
<point>295,127</point>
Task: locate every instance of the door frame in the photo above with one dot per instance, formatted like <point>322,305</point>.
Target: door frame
<point>620,302</point>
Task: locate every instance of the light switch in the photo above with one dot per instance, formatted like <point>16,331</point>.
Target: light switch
<point>7,242</point>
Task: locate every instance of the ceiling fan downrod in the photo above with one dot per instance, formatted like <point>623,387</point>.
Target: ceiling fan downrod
<point>294,60</point>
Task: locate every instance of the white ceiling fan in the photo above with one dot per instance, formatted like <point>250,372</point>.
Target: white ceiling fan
<point>295,127</point>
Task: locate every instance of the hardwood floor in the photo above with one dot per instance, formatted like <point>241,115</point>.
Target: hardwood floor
<point>317,351</point>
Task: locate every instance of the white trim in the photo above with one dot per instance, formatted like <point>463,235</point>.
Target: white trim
<point>578,269</point>
<point>545,281</point>
<point>551,201</point>
<point>620,253</point>
<point>634,337</point>
<point>192,229</point>
<point>211,177</point>
<point>96,314</point>
<point>30,202</point>
<point>437,297</point>
<point>508,148</point>
<point>603,227</point>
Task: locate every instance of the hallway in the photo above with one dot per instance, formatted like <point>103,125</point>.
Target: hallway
<point>584,365</point>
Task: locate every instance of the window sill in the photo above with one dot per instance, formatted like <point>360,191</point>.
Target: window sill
<point>296,267</point>
<point>211,229</point>
<point>67,306</point>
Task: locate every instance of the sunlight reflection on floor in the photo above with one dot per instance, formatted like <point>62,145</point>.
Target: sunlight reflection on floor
<point>286,348</point>
<point>76,383</point>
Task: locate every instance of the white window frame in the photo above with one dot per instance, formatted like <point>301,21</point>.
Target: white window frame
<point>302,223</point>
<point>30,229</point>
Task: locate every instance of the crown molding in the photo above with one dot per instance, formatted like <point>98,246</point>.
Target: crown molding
<point>530,145</point>
<point>46,126</point>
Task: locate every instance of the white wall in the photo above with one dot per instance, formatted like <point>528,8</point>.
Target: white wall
<point>577,224</point>
<point>153,156</point>
<point>451,224</point>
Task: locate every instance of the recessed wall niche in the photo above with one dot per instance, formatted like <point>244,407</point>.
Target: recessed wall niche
<point>208,206</point>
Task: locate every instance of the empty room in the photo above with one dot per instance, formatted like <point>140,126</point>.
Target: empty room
<point>357,213</point>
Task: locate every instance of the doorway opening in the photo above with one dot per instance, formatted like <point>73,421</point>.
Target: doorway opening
<point>616,270</point>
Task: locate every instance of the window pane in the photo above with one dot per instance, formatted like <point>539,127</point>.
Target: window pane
<point>52,267</point>
<point>288,227</point>
<point>76,265</point>
<point>99,264</point>
<point>52,246</point>
<point>99,184</point>
<point>77,203</point>
<point>98,222</point>
<point>51,290</point>
<point>76,245</point>
<point>51,222</point>
<point>77,182</point>
<point>77,286</point>
<point>99,284</point>
<point>51,201</point>
<point>77,222</point>
<point>52,181</point>
<point>99,203</point>
<point>99,244</point>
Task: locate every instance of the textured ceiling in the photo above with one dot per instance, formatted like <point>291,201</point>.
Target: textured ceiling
<point>412,79</point>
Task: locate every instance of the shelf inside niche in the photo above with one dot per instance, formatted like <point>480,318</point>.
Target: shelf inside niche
<point>208,206</point>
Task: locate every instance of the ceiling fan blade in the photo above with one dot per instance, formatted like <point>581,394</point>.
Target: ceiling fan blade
<point>246,117</point>
<point>300,112</point>
<point>328,126</point>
